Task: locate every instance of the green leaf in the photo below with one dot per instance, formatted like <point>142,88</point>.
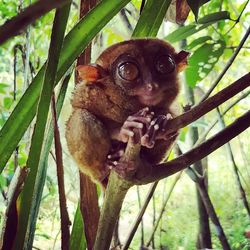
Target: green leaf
<point>3,86</point>
<point>3,182</point>
<point>43,164</point>
<point>214,17</point>
<point>7,102</point>
<point>202,61</point>
<point>195,5</point>
<point>198,41</point>
<point>151,18</point>
<point>59,27</point>
<point>186,31</point>
<point>77,238</point>
<point>75,42</point>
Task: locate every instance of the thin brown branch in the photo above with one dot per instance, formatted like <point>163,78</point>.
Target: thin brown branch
<point>212,214</point>
<point>229,63</point>
<point>88,194</point>
<point>65,221</point>
<point>235,168</point>
<point>16,25</point>
<point>239,17</point>
<point>203,136</point>
<point>201,109</point>
<point>164,170</point>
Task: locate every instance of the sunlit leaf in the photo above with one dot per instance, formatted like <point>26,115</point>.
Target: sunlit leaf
<point>7,102</point>
<point>151,18</point>
<point>198,41</point>
<point>214,17</point>
<point>202,61</point>
<point>188,30</point>
<point>184,32</point>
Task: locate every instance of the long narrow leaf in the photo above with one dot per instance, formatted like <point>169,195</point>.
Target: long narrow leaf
<point>75,42</point>
<point>59,27</point>
<point>188,30</point>
<point>151,18</point>
<point>77,238</point>
<point>42,168</point>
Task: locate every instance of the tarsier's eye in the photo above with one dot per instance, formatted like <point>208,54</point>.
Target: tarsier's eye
<point>165,64</point>
<point>128,71</point>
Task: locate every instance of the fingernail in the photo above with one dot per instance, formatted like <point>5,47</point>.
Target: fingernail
<point>140,125</point>
<point>156,127</point>
<point>152,123</point>
<point>131,133</point>
<point>169,116</point>
<point>109,156</point>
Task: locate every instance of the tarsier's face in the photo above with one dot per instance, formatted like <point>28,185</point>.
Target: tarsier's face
<point>146,69</point>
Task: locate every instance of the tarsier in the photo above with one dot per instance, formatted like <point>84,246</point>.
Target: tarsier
<point>129,93</point>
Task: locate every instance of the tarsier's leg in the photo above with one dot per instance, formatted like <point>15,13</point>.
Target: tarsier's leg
<point>89,143</point>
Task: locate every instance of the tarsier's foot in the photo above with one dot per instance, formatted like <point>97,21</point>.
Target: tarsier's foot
<point>157,131</point>
<point>136,125</point>
<point>113,161</point>
<point>125,169</point>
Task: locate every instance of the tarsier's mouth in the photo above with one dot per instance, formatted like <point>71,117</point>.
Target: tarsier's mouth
<point>151,99</point>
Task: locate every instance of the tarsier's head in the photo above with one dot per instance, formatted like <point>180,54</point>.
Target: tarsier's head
<point>145,68</point>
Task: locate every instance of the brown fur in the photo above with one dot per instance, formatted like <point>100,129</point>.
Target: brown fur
<point>102,106</point>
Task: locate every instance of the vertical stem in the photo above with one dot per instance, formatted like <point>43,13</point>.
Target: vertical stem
<point>65,221</point>
<point>88,193</point>
<point>142,228</point>
<point>204,235</point>
<point>213,216</point>
<point>235,168</point>
<point>114,196</point>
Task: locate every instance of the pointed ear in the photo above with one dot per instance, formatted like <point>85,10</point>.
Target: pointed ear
<point>89,73</point>
<point>181,60</point>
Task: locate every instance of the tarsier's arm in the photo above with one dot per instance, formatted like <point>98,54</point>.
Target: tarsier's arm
<point>127,94</point>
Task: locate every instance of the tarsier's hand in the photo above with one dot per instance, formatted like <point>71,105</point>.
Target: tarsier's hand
<point>156,131</point>
<point>136,126</point>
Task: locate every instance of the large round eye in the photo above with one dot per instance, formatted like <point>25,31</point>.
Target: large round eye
<point>128,71</point>
<point>165,64</point>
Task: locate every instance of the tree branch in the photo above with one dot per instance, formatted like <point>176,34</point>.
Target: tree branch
<point>15,25</point>
<point>166,169</point>
<point>201,109</point>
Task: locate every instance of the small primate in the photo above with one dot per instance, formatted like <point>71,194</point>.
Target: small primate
<point>130,92</point>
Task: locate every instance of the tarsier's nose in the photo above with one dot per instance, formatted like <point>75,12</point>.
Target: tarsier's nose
<point>152,86</point>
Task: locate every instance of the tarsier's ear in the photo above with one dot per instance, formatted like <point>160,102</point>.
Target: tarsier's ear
<point>181,60</point>
<point>89,73</point>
